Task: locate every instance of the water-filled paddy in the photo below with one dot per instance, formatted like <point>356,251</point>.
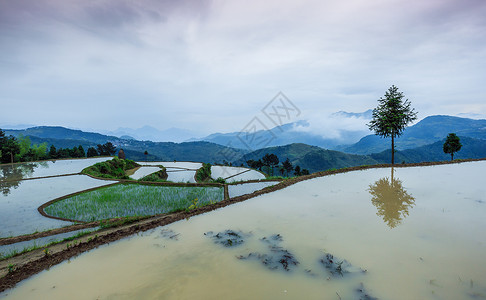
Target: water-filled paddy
<point>235,190</point>
<point>18,207</point>
<point>426,239</point>
<point>46,168</point>
<point>172,164</point>
<point>232,174</point>
<point>144,171</point>
<point>177,175</point>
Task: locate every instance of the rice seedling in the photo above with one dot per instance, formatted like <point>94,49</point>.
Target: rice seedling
<point>123,200</point>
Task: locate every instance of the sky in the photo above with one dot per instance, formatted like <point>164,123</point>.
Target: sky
<point>224,66</point>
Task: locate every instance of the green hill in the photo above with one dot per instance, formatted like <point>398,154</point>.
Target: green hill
<point>471,148</point>
<point>62,137</point>
<point>311,158</point>
<point>430,130</point>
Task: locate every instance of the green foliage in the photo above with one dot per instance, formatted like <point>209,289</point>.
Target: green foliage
<point>123,200</point>
<point>220,180</point>
<point>392,115</point>
<point>9,148</point>
<point>297,171</point>
<point>452,144</point>
<point>107,149</point>
<point>203,174</point>
<point>114,168</point>
<point>92,152</point>
<point>287,166</point>
<point>159,176</point>
<point>270,161</point>
<point>11,268</point>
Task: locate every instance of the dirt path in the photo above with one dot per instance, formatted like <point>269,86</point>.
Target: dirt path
<point>33,262</point>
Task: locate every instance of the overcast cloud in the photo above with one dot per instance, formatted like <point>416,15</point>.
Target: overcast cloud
<point>211,66</point>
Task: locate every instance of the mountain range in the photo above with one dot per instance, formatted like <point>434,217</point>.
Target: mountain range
<point>420,142</point>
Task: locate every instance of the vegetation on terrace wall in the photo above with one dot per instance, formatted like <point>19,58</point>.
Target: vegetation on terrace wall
<point>114,168</point>
<point>203,174</point>
<point>159,176</point>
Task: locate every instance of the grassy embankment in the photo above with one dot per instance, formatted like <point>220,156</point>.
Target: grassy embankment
<point>111,169</point>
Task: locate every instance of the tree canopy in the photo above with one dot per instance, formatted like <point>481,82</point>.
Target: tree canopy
<point>391,116</point>
<point>452,144</point>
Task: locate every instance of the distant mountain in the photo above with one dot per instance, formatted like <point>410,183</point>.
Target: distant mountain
<point>317,159</point>
<point>425,132</point>
<point>296,132</point>
<point>471,148</point>
<point>148,133</point>
<point>364,115</point>
<point>57,132</point>
<point>62,137</point>
<point>16,126</point>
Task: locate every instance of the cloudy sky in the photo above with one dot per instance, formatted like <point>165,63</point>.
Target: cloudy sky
<point>213,66</point>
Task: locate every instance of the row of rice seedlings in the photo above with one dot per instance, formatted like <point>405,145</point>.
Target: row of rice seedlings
<point>123,200</point>
<point>35,245</point>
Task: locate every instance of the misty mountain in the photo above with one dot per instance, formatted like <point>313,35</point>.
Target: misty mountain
<point>296,132</point>
<point>148,133</point>
<point>429,130</point>
<point>364,115</point>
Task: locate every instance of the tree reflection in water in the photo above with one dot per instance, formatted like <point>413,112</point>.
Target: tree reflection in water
<point>391,200</point>
<point>11,175</point>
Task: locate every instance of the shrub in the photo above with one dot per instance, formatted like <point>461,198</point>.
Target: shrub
<point>114,168</point>
<point>203,174</point>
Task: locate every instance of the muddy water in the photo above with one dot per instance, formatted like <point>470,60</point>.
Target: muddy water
<point>434,247</point>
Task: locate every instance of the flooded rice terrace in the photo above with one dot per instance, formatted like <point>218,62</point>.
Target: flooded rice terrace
<point>410,233</point>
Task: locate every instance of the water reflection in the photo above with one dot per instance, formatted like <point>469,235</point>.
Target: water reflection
<point>391,200</point>
<point>11,175</point>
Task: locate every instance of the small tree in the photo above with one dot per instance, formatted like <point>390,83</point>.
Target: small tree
<point>297,171</point>
<point>452,144</point>
<point>81,151</point>
<point>391,116</point>
<point>92,152</point>
<point>287,165</point>
<point>52,152</point>
<point>9,149</point>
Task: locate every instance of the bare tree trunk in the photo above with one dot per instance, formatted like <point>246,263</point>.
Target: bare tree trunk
<point>11,157</point>
<point>452,156</point>
<point>393,149</point>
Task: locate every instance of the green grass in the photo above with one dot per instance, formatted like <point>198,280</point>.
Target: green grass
<point>160,176</point>
<point>124,200</point>
<point>36,246</point>
<point>113,169</point>
<point>203,174</point>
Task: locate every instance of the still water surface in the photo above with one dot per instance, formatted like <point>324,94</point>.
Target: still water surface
<point>419,233</point>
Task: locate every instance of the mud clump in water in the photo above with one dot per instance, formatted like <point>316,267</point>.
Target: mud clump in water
<point>169,234</point>
<point>277,258</point>
<point>363,294</point>
<point>228,238</point>
<point>337,267</point>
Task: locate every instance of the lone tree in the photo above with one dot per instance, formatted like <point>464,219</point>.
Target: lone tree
<point>391,116</point>
<point>452,144</point>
